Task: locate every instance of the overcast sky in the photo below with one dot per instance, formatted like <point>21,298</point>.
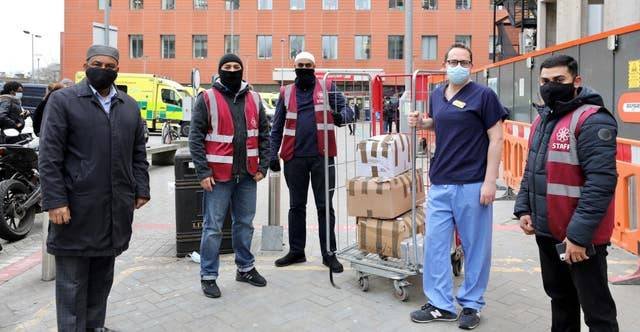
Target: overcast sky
<point>43,17</point>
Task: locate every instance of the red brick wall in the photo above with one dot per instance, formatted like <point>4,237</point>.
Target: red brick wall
<point>379,22</point>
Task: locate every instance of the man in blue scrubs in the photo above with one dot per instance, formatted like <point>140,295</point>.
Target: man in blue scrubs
<point>467,119</point>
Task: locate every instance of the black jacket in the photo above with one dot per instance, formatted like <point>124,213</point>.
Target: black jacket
<point>37,115</point>
<point>10,113</point>
<point>200,127</point>
<point>95,164</point>
<point>597,155</point>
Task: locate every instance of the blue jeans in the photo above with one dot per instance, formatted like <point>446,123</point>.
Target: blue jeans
<point>457,206</point>
<point>241,195</point>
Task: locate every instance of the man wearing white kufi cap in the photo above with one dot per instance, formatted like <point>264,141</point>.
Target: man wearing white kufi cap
<point>298,132</point>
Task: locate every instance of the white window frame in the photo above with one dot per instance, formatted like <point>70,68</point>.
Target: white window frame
<point>200,4</point>
<point>401,49</point>
<point>430,55</point>
<point>131,39</point>
<point>359,4</point>
<point>136,4</point>
<point>333,43</point>
<point>205,44</point>
<point>265,4</point>
<point>329,4</point>
<point>162,47</point>
<point>357,47</point>
<point>291,44</point>
<point>168,5</point>
<point>295,5</point>
<point>264,38</point>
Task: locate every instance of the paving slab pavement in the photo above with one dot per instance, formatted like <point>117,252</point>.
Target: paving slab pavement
<point>156,291</point>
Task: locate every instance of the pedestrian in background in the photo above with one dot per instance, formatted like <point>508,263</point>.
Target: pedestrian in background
<point>389,115</point>
<point>94,174</point>
<point>299,127</point>
<point>229,143</point>
<point>566,196</point>
<point>467,119</point>
<point>37,114</point>
<point>11,112</point>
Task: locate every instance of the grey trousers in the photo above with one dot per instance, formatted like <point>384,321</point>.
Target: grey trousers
<point>82,288</point>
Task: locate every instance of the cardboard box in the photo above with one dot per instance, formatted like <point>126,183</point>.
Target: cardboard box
<point>383,156</point>
<point>383,237</point>
<point>383,198</point>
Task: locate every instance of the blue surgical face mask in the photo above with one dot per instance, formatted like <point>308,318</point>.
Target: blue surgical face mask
<point>457,75</point>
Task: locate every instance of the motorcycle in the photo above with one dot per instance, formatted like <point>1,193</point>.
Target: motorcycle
<point>20,190</point>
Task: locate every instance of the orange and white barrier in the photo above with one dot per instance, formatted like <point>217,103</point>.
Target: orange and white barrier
<point>626,232</point>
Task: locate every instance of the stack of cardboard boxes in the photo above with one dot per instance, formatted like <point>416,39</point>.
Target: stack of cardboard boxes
<point>380,194</point>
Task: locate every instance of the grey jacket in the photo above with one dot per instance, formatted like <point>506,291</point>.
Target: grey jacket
<point>96,164</point>
<point>200,126</point>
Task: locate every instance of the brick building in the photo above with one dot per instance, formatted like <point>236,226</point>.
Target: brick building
<point>170,37</point>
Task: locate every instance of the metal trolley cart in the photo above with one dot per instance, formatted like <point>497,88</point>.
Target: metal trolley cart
<point>369,264</point>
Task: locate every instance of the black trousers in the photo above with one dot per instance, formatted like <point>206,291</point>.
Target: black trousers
<point>297,172</point>
<point>82,288</point>
<point>580,285</point>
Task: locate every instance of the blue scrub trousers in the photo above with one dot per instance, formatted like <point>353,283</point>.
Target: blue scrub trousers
<point>458,206</point>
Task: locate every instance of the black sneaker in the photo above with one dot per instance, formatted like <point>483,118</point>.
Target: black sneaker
<point>469,319</point>
<point>252,277</point>
<point>291,258</point>
<point>210,288</point>
<point>332,263</point>
<point>429,313</point>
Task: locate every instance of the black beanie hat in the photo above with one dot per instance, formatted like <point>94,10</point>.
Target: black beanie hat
<point>229,58</point>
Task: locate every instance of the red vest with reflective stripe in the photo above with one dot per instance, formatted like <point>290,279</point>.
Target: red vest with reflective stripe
<point>219,140</point>
<point>565,177</point>
<point>289,135</point>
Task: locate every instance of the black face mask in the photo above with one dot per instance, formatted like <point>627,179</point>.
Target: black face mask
<point>100,78</point>
<point>553,92</point>
<point>305,77</point>
<point>232,80</point>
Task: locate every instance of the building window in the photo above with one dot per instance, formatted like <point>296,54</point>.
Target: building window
<point>329,4</point>
<point>429,47</point>
<point>231,45</point>
<point>330,47</point>
<point>231,4</point>
<point>168,4</point>
<point>264,47</point>
<point>430,4</point>
<point>98,35</point>
<point>463,4</point>
<point>200,46</point>
<point>296,45</point>
<point>265,5</point>
<point>168,43</point>
<point>363,4</point>
<point>464,39</point>
<point>136,4</point>
<point>396,4</point>
<point>296,4</point>
<point>396,47</point>
<point>135,46</point>
<point>363,47</point>
<point>200,4</point>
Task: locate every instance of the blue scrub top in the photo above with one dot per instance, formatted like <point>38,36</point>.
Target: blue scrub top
<point>461,126</point>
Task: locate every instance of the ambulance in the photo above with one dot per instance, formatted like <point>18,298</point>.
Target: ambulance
<point>160,99</point>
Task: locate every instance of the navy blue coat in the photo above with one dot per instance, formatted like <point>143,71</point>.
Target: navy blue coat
<point>96,165</point>
<point>597,155</point>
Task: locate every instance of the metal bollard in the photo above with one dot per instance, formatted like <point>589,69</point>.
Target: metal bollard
<point>274,199</point>
<point>273,232</point>
<point>48,260</point>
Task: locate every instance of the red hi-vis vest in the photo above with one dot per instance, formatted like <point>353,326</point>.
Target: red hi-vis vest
<point>289,135</point>
<point>565,177</point>
<point>219,140</point>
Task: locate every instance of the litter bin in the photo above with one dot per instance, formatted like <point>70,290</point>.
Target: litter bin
<point>189,217</point>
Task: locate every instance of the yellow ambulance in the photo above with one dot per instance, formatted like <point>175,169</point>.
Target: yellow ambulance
<point>160,99</point>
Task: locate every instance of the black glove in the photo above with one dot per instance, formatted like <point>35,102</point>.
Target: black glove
<point>337,119</point>
<point>274,165</point>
